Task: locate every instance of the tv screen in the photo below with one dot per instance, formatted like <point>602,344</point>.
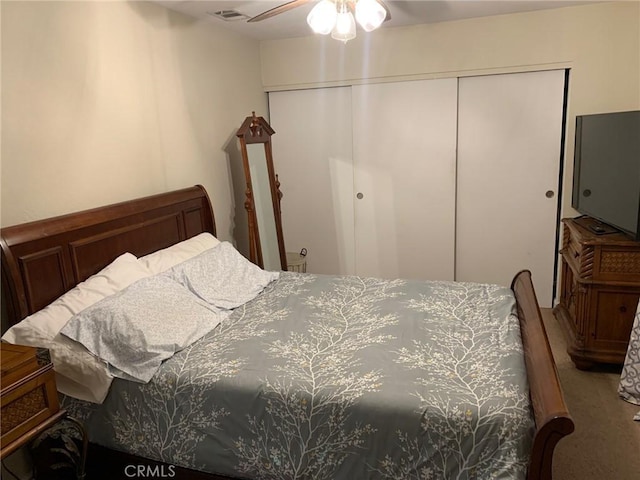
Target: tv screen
<point>606,178</point>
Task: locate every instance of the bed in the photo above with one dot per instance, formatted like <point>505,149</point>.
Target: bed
<point>42,260</point>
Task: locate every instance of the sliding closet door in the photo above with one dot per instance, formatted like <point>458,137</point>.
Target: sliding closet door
<point>509,143</point>
<point>312,154</point>
<point>404,138</point>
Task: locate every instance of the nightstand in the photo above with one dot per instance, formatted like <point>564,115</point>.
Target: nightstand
<point>29,400</point>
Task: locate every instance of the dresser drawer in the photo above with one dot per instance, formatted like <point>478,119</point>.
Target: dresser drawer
<point>27,404</point>
<point>619,264</point>
<point>578,255</point>
<point>614,257</point>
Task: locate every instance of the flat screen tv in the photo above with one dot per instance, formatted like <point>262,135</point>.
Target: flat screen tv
<point>606,178</point>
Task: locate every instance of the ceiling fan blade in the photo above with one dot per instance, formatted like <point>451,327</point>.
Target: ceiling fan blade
<point>285,7</point>
<point>384,5</point>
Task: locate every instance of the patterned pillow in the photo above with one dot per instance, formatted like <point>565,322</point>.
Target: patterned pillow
<point>139,327</point>
<point>222,277</point>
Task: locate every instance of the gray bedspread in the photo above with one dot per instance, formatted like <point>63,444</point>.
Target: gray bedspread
<point>323,377</point>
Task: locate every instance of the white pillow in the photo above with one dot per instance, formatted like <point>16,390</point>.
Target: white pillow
<point>166,258</point>
<point>79,373</point>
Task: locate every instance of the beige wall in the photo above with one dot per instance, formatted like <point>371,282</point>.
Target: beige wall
<point>106,101</point>
<point>600,43</point>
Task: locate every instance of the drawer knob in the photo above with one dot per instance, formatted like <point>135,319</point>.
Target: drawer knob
<point>623,309</point>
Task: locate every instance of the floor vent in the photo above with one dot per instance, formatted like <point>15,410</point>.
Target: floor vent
<point>229,15</point>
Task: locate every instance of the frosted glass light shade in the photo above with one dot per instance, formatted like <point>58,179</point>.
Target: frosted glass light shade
<point>370,14</point>
<point>345,28</point>
<point>322,17</point>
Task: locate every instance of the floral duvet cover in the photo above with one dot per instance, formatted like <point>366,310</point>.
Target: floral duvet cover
<point>326,377</point>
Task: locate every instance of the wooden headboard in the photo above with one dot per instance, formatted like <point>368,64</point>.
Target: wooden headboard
<point>41,260</point>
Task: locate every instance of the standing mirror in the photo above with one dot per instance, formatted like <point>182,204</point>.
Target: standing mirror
<point>266,242</point>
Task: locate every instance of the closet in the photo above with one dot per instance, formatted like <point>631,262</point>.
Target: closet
<point>508,177</point>
<point>437,179</point>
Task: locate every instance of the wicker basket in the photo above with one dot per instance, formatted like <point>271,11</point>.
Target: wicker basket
<point>297,262</point>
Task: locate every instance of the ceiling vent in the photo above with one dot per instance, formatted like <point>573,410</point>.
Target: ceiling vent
<point>229,15</point>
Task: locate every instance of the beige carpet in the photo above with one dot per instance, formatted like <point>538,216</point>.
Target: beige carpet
<point>606,442</point>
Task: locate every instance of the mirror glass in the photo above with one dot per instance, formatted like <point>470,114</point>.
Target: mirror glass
<point>263,204</point>
<point>266,242</point>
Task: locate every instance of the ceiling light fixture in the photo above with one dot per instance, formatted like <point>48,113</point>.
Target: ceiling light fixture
<point>336,17</point>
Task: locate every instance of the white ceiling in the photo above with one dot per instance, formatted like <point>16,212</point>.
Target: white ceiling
<point>293,23</point>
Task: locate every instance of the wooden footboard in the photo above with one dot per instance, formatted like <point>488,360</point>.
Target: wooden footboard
<point>550,411</point>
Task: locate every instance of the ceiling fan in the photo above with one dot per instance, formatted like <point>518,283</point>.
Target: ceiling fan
<point>336,16</point>
<point>285,7</point>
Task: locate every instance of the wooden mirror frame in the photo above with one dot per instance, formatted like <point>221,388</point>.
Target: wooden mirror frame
<point>257,130</point>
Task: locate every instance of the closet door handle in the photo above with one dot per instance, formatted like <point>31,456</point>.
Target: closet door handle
<point>359,196</point>
<point>549,194</point>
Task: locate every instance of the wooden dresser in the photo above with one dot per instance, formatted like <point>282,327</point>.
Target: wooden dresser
<point>599,291</point>
<point>29,400</point>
